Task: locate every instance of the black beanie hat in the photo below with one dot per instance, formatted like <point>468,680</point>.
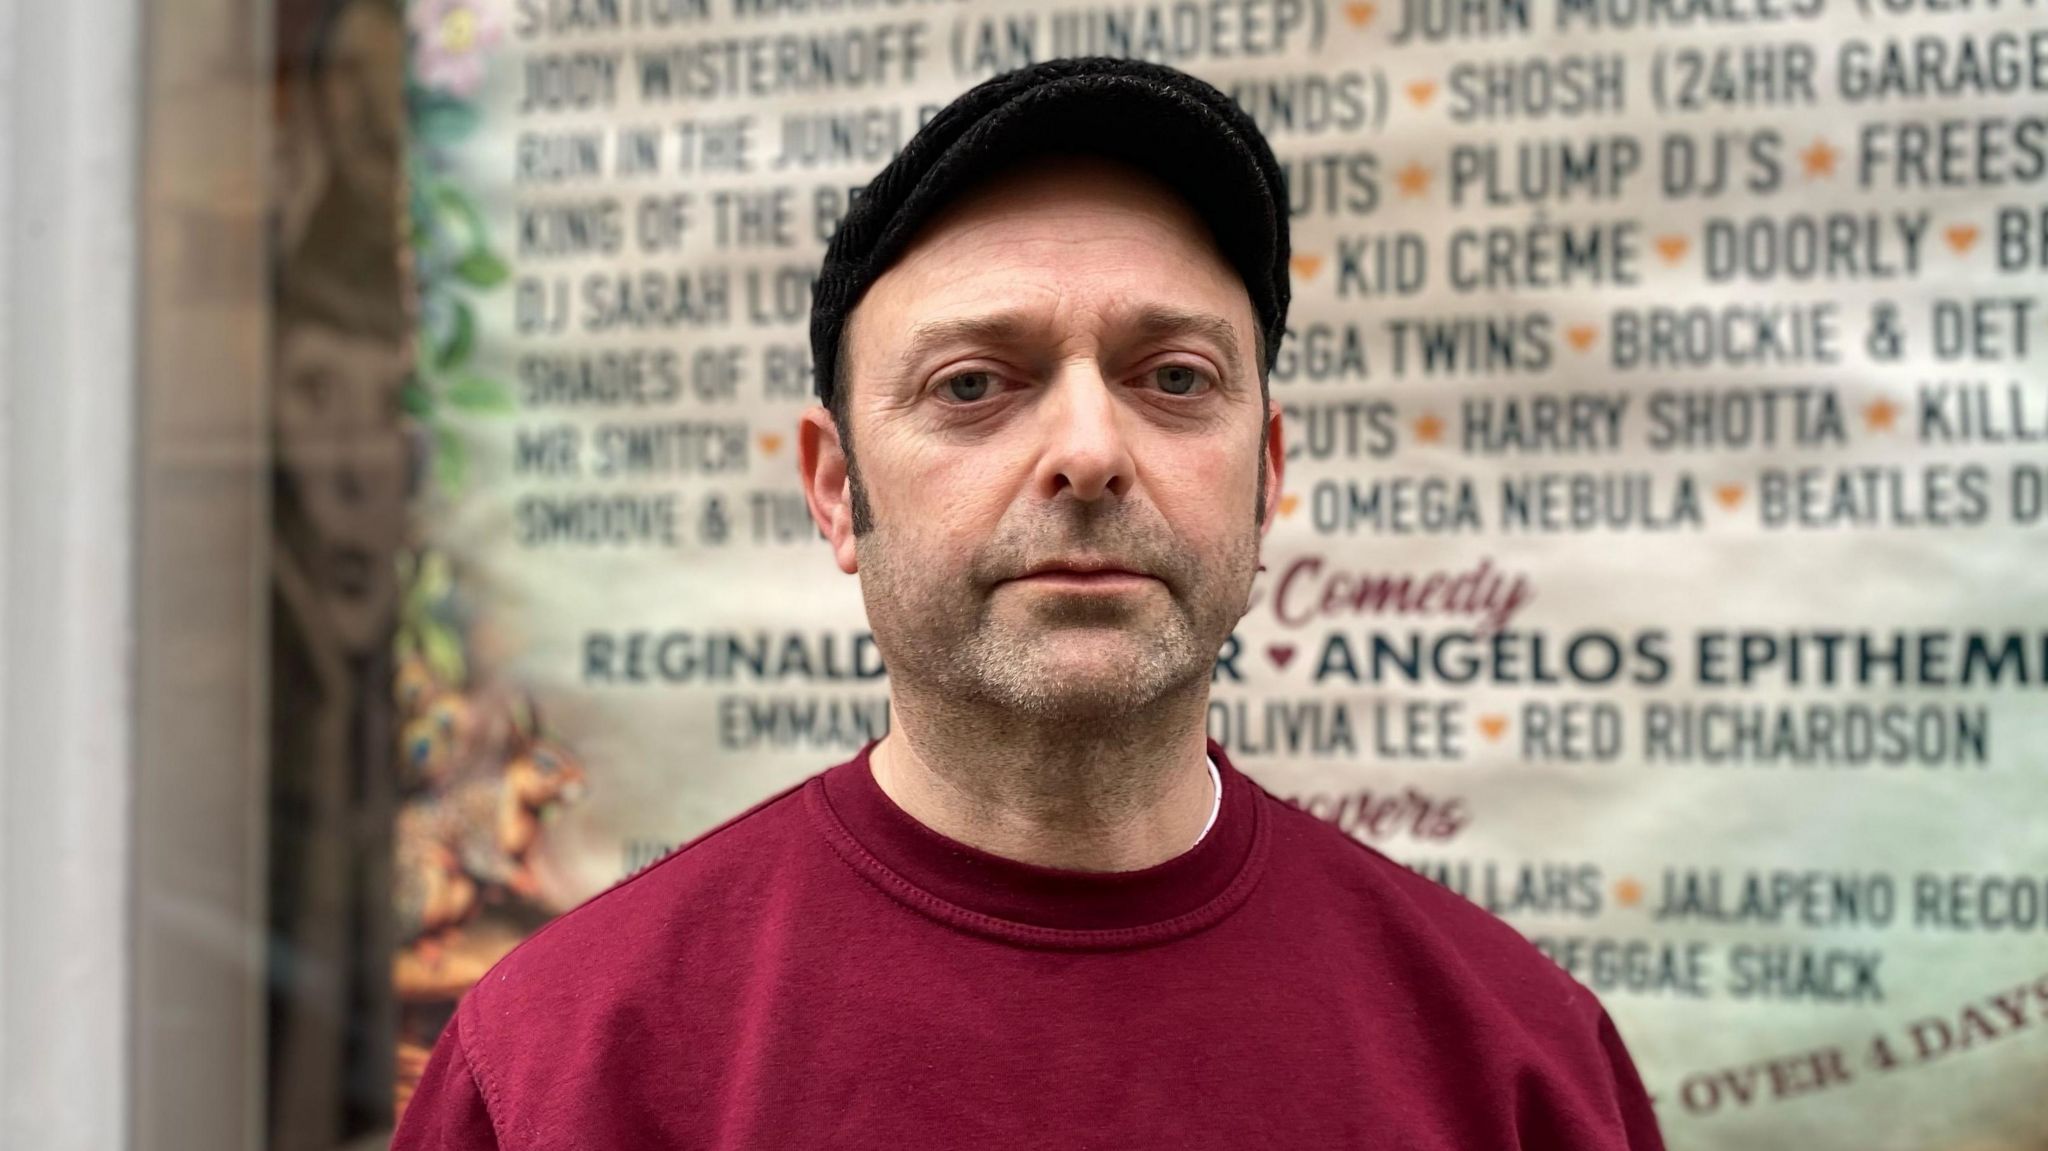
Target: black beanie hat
<point>1178,128</point>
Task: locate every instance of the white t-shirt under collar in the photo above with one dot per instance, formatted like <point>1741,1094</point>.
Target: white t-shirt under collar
<point>1216,808</point>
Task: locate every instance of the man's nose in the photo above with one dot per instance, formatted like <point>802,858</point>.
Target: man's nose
<point>1088,450</point>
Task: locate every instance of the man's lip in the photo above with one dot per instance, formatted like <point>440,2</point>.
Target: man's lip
<point>1080,570</point>
<point>1082,575</point>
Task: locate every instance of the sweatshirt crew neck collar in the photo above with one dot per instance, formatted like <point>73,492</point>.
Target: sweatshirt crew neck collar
<point>978,891</point>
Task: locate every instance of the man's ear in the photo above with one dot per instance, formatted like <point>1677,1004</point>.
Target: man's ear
<point>1274,460</point>
<point>821,461</point>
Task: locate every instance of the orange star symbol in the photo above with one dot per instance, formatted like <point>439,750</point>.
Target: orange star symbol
<point>1429,429</point>
<point>1493,726</point>
<point>1421,92</point>
<point>1673,248</point>
<point>1360,14</point>
<point>1819,159</point>
<point>1961,238</point>
<point>1581,336</point>
<point>1730,495</point>
<point>1287,505</point>
<point>1306,265</point>
<point>1628,892</point>
<point>1413,180</point>
<point>770,443</point>
<point>1880,415</point>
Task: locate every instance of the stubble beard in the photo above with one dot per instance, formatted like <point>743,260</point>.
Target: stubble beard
<point>950,640</point>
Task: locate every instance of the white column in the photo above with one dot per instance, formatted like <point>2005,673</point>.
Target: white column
<point>69,113</point>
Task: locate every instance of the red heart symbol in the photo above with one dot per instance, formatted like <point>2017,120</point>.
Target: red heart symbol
<point>1281,654</point>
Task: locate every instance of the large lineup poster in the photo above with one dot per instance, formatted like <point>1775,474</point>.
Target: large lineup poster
<point>1659,559</point>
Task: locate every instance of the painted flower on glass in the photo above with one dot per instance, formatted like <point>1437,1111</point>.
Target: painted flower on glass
<point>451,39</point>
<point>454,267</point>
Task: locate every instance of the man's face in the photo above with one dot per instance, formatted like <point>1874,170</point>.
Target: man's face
<point>341,445</point>
<point>1055,407</point>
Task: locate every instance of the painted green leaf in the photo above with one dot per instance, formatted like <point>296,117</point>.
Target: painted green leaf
<point>416,399</point>
<point>451,459</point>
<point>443,652</point>
<point>437,578</point>
<point>419,211</point>
<point>451,200</point>
<point>482,268</point>
<point>442,120</point>
<point>461,339</point>
<point>415,591</point>
<point>476,394</point>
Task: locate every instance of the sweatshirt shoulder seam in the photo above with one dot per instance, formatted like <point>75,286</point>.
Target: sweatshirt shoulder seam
<point>479,1073</point>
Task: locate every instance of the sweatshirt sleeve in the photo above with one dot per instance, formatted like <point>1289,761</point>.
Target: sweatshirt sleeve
<point>1638,1116</point>
<point>448,1111</point>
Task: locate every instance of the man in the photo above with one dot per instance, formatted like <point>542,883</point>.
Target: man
<point>1037,914</point>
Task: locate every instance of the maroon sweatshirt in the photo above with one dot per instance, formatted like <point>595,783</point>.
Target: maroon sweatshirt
<point>825,971</point>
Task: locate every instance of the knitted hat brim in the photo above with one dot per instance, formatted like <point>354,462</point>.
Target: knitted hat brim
<point>1175,127</point>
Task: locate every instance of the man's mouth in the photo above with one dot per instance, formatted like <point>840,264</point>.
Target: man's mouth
<point>1085,575</point>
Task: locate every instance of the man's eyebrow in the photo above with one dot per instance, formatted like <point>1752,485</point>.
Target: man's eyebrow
<point>932,335</point>
<point>1150,323</point>
<point>1155,323</point>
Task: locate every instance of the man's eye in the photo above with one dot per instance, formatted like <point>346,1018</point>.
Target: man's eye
<point>1178,379</point>
<point>968,387</point>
